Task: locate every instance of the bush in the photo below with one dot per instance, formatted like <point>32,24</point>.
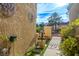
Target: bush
<point>67,31</point>
<point>4,37</point>
<point>38,29</point>
<point>74,22</point>
<point>30,51</point>
<point>69,46</point>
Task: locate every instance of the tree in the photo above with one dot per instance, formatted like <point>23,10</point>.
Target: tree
<point>39,27</point>
<point>54,20</point>
<point>42,24</point>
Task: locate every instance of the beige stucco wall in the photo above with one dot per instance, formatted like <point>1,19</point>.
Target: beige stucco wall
<point>20,25</point>
<point>74,11</point>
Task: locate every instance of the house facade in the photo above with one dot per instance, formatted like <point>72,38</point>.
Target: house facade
<point>73,15</point>
<point>18,20</point>
<point>73,11</point>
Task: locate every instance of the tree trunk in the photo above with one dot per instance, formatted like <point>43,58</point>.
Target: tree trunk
<point>55,28</point>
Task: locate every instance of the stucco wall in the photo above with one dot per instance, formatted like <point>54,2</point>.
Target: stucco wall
<point>20,25</point>
<point>74,11</point>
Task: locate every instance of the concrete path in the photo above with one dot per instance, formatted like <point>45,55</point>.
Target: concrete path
<point>53,48</point>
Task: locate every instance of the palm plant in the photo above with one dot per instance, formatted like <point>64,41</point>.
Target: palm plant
<point>54,20</point>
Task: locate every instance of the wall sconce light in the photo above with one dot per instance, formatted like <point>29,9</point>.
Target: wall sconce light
<point>12,38</point>
<point>7,9</point>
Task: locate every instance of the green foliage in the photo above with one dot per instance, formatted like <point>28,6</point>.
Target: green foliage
<point>41,25</point>
<point>67,31</point>
<point>30,51</point>
<point>38,29</point>
<point>68,46</point>
<point>3,37</point>
<point>54,19</point>
<point>74,23</point>
<point>44,49</point>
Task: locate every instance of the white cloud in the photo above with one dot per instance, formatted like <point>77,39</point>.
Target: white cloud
<point>61,4</point>
<point>65,18</point>
<point>44,7</point>
<point>40,20</point>
<point>50,8</point>
<point>47,7</point>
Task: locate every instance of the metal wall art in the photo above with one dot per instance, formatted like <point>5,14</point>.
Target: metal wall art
<point>7,9</point>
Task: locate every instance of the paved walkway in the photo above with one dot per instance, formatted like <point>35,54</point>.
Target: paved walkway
<point>53,48</point>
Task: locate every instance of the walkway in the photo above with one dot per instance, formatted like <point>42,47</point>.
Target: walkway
<point>53,49</point>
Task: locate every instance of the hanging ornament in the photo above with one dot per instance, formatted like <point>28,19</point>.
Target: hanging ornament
<point>7,9</point>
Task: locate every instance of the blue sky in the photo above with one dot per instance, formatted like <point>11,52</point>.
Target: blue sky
<point>44,10</point>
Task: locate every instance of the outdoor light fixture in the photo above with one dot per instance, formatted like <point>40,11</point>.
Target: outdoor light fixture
<point>12,38</point>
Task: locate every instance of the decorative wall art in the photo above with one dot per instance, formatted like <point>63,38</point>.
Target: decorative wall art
<point>7,9</point>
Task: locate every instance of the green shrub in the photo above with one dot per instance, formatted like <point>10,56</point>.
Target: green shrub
<point>4,37</point>
<point>69,46</point>
<point>30,51</point>
<point>67,31</point>
<point>38,29</point>
<point>74,22</point>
